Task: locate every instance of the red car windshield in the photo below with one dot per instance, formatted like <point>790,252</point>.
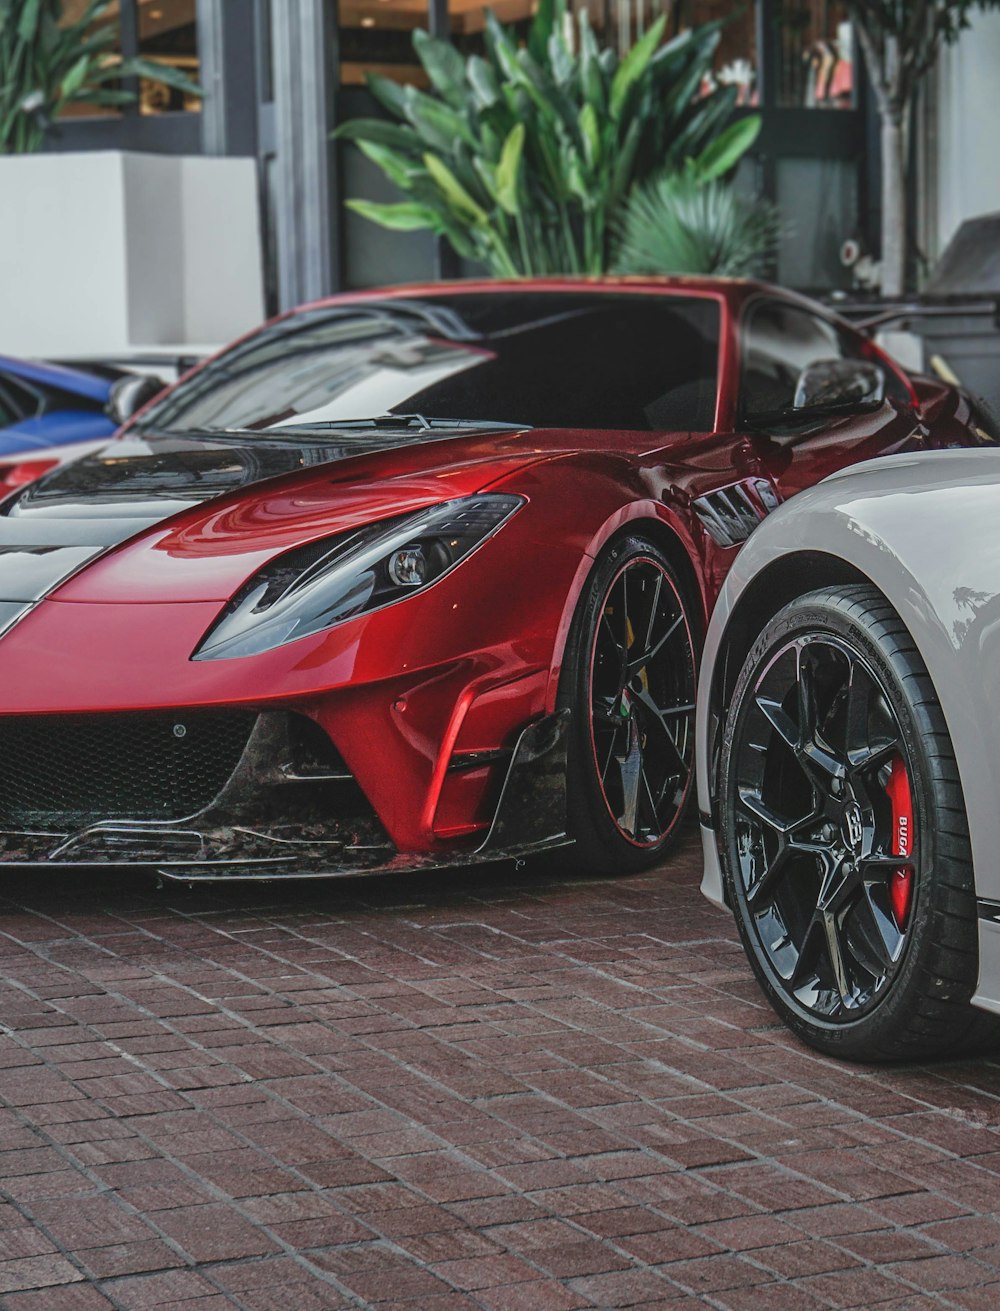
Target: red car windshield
<point>538,359</point>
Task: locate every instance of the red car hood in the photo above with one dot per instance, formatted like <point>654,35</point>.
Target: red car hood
<point>190,518</point>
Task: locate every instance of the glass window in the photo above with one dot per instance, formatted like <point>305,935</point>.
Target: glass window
<point>736,57</point>
<point>563,360</point>
<point>168,34</point>
<point>376,36</point>
<point>815,43</point>
<point>72,12</point>
<point>822,197</point>
<point>467,20</point>
<point>620,23</point>
<point>779,341</point>
<point>9,413</point>
<point>20,401</point>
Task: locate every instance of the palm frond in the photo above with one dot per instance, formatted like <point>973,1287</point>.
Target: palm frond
<point>676,224</point>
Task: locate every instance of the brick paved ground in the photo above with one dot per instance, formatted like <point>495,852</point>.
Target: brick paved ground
<point>515,1092</point>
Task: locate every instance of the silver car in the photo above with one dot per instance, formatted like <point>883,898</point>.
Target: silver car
<point>849,756</point>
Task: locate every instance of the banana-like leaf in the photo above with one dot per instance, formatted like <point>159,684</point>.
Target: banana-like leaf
<point>389,94</point>
<point>699,43</point>
<point>508,171</point>
<point>438,124</point>
<point>560,61</point>
<point>157,72</point>
<point>501,47</point>
<point>487,174</point>
<point>104,98</point>
<point>491,138</point>
<point>682,96</point>
<point>483,81</point>
<point>621,174</point>
<point>634,64</point>
<point>404,217</point>
<point>394,135</point>
<point>28,22</point>
<point>75,77</point>
<point>576,178</point>
<point>462,164</point>
<point>459,200</point>
<point>591,75</point>
<point>700,122</point>
<point>444,66</point>
<point>591,134</point>
<point>728,148</point>
<point>397,167</point>
<point>547,16</point>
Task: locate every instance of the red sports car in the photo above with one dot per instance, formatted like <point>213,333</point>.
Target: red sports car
<point>417,577</point>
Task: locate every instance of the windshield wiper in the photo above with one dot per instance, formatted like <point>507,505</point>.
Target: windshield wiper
<point>383,421</point>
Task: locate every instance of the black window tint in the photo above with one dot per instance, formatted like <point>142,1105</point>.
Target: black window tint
<point>568,360</point>
<point>8,414</point>
<point>16,401</point>
<point>779,342</point>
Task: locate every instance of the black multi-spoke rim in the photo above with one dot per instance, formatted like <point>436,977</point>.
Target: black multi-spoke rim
<point>642,702</point>
<point>824,836</point>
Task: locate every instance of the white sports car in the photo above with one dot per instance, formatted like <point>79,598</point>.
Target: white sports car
<point>849,756</point>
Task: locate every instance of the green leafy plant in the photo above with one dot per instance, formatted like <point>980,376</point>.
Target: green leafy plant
<point>680,223</point>
<point>522,158</point>
<point>47,63</point>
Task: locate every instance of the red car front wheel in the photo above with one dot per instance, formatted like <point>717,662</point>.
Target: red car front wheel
<point>629,677</point>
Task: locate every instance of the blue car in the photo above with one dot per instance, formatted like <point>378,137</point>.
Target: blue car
<point>47,406</point>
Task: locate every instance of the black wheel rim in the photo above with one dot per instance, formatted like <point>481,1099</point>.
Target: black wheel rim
<point>825,847</point>
<point>642,683</point>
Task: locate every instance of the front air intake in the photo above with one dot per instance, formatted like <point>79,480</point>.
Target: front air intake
<point>66,771</point>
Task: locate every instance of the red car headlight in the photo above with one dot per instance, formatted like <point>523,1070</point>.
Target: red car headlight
<point>317,586</point>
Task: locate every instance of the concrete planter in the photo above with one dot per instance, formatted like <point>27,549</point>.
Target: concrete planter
<point>108,252</point>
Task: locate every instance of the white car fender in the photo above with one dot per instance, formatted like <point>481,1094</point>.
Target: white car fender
<point>925,529</point>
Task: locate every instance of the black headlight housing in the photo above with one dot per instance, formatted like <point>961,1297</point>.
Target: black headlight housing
<point>330,581</point>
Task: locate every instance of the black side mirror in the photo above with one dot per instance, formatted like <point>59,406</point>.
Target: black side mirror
<point>130,393</point>
<point>832,386</point>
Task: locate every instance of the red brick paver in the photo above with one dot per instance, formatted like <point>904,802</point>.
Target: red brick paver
<point>495,1090</point>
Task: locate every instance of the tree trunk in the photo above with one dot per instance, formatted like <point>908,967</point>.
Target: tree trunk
<point>893,205</point>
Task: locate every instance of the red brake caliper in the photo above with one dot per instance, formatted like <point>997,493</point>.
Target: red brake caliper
<point>901,880</point>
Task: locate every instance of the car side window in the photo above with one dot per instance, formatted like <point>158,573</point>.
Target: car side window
<point>779,341</point>
<point>17,401</point>
<point>9,412</point>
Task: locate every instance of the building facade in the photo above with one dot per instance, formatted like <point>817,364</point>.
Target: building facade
<point>279,75</point>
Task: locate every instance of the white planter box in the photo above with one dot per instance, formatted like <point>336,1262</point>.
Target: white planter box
<point>105,252</point>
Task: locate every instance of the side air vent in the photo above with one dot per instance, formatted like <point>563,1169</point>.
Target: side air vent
<point>730,514</point>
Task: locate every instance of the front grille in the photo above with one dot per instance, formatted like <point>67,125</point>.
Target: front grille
<point>69,770</point>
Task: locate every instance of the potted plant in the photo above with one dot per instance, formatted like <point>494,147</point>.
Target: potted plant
<point>525,159</point>
<point>107,252</point>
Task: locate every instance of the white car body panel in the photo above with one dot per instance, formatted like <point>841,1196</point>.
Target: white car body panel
<point>925,529</point>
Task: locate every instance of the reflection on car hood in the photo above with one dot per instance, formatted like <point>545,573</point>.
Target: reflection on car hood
<point>154,477</point>
<point>188,499</point>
